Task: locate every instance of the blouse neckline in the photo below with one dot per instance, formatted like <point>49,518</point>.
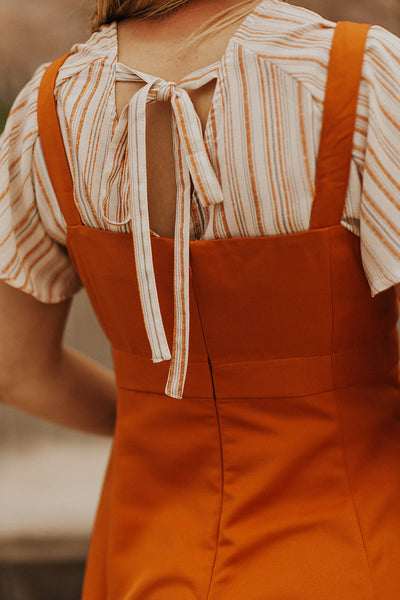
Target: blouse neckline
<point>215,66</point>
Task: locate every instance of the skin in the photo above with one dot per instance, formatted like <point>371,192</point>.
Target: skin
<point>39,375</point>
<point>42,377</point>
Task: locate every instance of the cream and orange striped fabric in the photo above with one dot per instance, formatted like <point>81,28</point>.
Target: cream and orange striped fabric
<point>257,162</point>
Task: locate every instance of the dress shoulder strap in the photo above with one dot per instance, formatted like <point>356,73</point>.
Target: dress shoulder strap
<point>338,124</point>
<point>53,145</point>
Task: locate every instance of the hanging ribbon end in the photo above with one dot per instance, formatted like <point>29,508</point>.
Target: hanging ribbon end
<point>174,386</point>
<point>207,201</point>
<point>177,394</point>
<point>158,359</point>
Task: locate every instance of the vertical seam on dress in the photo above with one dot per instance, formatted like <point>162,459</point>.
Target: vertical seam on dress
<point>341,428</point>
<point>222,481</point>
<point>221,449</point>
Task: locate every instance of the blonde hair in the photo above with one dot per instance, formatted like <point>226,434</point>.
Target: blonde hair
<point>108,11</point>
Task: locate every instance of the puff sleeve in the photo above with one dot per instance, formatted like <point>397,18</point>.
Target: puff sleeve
<point>33,255</point>
<point>378,132</point>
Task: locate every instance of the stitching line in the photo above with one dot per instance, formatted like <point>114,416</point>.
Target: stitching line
<point>221,450</point>
<point>341,431</point>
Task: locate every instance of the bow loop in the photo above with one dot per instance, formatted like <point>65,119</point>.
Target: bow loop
<point>190,132</point>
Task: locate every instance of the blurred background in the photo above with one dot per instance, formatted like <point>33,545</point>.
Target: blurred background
<point>50,477</point>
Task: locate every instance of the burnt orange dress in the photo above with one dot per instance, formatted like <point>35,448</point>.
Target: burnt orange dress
<point>277,475</point>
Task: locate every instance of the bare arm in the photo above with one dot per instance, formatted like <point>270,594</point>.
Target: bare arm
<point>40,376</point>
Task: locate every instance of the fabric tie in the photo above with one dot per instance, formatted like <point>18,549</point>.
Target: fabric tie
<point>192,164</point>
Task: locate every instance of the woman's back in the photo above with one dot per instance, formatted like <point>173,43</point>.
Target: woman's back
<point>257,380</point>
<point>283,448</point>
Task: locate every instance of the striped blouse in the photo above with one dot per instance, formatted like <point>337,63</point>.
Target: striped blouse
<point>253,170</point>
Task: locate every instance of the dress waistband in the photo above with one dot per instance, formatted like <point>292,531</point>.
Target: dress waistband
<point>279,378</point>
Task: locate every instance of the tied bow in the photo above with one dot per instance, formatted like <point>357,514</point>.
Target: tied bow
<point>192,164</point>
